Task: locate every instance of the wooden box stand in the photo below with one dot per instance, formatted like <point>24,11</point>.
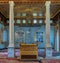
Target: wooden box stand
<point>29,51</point>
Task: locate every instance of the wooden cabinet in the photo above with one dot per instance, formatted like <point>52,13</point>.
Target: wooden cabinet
<point>29,51</point>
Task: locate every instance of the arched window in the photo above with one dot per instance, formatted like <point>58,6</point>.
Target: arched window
<point>39,36</point>
<point>20,36</point>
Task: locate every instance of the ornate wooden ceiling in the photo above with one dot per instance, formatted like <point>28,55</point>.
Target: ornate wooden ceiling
<point>29,5</point>
<point>29,1</point>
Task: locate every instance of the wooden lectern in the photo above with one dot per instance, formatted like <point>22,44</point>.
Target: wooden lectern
<point>29,51</point>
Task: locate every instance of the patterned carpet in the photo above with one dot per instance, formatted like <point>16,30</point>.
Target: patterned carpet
<point>40,52</point>
<point>51,61</point>
<point>4,58</point>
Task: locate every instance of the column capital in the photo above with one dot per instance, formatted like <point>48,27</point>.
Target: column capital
<point>11,3</point>
<point>47,3</point>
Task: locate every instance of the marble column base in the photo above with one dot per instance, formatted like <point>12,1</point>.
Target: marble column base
<point>11,52</point>
<point>48,52</point>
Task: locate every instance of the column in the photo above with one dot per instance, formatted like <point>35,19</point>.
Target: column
<point>57,38</point>
<point>57,43</point>
<point>48,46</point>
<point>11,29</point>
<point>55,34</point>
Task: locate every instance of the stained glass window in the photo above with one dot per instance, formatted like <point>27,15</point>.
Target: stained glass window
<point>35,21</point>
<point>23,21</point>
<point>29,21</point>
<point>23,14</point>
<point>40,14</point>
<point>34,14</point>
<point>18,21</point>
<point>40,21</point>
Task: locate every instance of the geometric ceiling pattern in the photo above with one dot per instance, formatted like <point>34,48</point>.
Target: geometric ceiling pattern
<point>26,6</point>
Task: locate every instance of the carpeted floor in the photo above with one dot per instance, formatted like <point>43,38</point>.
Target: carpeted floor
<point>4,58</point>
<point>41,52</point>
<point>50,61</point>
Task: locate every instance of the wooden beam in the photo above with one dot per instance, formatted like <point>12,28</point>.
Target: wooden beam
<point>30,1</point>
<point>56,13</point>
<point>55,1</point>
<point>2,18</point>
<point>22,1</point>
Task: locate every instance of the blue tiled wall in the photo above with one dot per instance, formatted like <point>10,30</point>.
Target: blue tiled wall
<point>30,38</point>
